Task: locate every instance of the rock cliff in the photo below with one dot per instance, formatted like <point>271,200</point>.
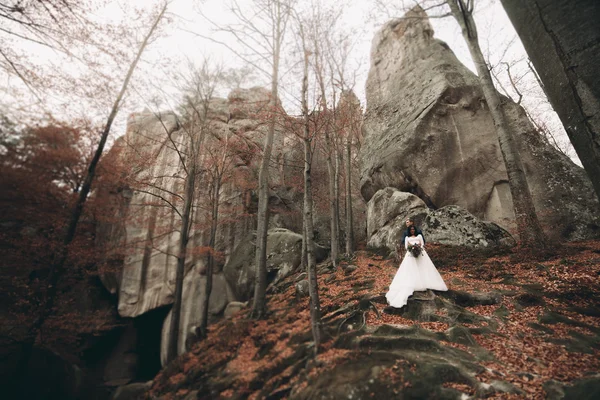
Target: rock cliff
<point>428,131</point>
<point>147,232</point>
<point>141,239</point>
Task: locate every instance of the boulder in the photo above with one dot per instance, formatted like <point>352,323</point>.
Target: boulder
<point>451,225</point>
<point>389,203</point>
<point>456,226</point>
<point>192,306</point>
<point>284,251</point>
<point>233,308</point>
<point>428,131</point>
<point>302,289</point>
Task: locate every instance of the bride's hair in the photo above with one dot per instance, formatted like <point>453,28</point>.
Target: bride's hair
<point>412,228</point>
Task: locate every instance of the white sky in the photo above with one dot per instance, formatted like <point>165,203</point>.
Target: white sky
<point>169,54</point>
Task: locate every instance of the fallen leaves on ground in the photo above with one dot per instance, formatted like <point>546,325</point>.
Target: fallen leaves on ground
<point>527,349</point>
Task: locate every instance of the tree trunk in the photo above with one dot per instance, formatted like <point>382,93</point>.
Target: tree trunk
<point>333,203</point>
<point>303,260</point>
<point>313,285</point>
<point>260,288</point>
<point>60,257</point>
<point>262,225</point>
<point>181,255</point>
<point>528,226</point>
<point>336,183</point>
<point>211,259</point>
<point>562,40</point>
<point>349,223</point>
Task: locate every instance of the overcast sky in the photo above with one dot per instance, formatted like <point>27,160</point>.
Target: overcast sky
<point>179,43</point>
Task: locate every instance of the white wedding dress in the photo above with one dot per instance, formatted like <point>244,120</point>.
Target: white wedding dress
<point>414,274</point>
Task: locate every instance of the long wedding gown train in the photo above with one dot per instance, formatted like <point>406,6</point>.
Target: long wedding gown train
<point>414,274</point>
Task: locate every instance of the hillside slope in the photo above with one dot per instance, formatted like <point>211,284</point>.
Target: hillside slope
<point>509,327</point>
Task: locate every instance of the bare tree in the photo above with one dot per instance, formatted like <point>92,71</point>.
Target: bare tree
<point>38,39</point>
<point>513,78</point>
<point>60,256</point>
<point>175,182</point>
<point>45,23</point>
<point>319,24</point>
<point>530,230</point>
<point>349,124</point>
<point>260,31</point>
<point>202,86</point>
<point>219,161</point>
<point>307,218</point>
<point>564,50</point>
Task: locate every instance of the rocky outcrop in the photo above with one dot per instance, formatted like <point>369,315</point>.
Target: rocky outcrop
<point>246,104</point>
<point>142,237</point>
<point>388,210</point>
<point>428,131</point>
<point>284,251</point>
<point>233,308</point>
<point>388,204</point>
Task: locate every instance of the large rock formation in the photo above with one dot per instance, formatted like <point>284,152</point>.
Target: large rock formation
<point>141,237</point>
<point>428,131</point>
<point>389,208</point>
<point>147,230</point>
<point>562,39</point>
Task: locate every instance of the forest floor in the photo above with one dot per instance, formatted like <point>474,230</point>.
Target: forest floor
<point>538,334</point>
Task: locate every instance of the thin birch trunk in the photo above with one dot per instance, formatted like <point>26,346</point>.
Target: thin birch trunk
<point>211,258</point>
<point>333,204</point>
<point>313,285</point>
<point>528,226</point>
<point>260,286</point>
<point>181,255</point>
<point>336,185</point>
<point>349,222</point>
<point>331,170</point>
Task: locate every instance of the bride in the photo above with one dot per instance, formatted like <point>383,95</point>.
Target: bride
<point>414,274</point>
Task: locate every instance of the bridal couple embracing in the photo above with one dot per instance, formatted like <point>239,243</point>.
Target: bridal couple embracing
<point>416,272</point>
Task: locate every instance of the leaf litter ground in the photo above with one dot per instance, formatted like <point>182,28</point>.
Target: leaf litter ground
<point>548,309</point>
